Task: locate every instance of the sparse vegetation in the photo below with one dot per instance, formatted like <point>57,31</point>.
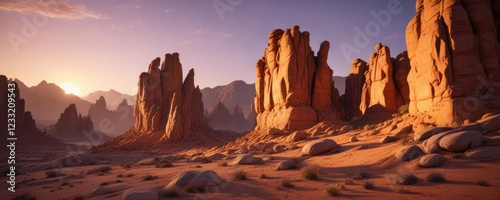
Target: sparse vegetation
<point>25,196</point>
<point>149,177</point>
<point>262,176</point>
<point>100,170</point>
<point>53,173</point>
<point>311,172</point>
<point>104,183</point>
<point>403,109</point>
<point>483,183</point>
<point>64,183</point>
<point>239,175</point>
<point>369,185</point>
<point>435,177</point>
<point>360,175</point>
<point>129,175</point>
<point>119,176</point>
<point>400,189</point>
<point>405,178</point>
<point>118,181</point>
<point>197,166</point>
<point>333,190</point>
<point>286,183</point>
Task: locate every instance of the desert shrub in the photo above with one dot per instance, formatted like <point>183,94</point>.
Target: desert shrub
<point>119,176</point>
<point>286,183</point>
<point>149,177</point>
<point>104,183</point>
<point>368,185</point>
<point>78,197</point>
<point>262,176</point>
<point>405,178</point>
<point>53,173</point>
<point>360,175</point>
<point>118,181</point>
<point>435,177</point>
<point>129,175</point>
<point>483,183</point>
<point>333,190</point>
<point>25,196</point>
<point>400,189</point>
<point>403,109</point>
<point>311,172</point>
<point>239,175</point>
<point>103,169</point>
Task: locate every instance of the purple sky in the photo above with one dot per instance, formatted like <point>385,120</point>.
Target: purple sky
<point>102,45</point>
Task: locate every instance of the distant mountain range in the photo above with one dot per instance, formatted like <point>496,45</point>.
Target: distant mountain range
<point>113,98</point>
<point>47,101</point>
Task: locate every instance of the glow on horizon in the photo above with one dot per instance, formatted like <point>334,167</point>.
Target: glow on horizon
<point>70,88</point>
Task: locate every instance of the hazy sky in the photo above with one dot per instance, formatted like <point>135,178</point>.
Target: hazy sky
<point>102,45</point>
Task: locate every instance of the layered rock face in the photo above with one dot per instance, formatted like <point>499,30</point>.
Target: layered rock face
<point>385,81</point>
<point>71,125</point>
<point>294,88</point>
<point>165,103</point>
<point>222,119</point>
<point>111,122</point>
<point>353,89</point>
<point>454,51</point>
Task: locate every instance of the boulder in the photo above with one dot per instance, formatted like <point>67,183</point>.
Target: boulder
<point>108,189</point>
<point>243,150</point>
<point>297,136</point>
<point>216,156</point>
<point>148,161</point>
<point>320,146</point>
<point>408,153</point>
<point>490,122</point>
<point>431,145</point>
<point>461,141</point>
<point>402,132</point>
<point>200,159</point>
<point>247,159</point>
<point>140,193</point>
<point>432,160</point>
<point>429,133</point>
<point>193,181</point>
<point>353,139</point>
<point>278,148</point>
<point>484,153</point>
<point>388,139</point>
<point>288,164</point>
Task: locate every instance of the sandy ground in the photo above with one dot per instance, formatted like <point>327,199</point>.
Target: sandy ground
<point>368,154</point>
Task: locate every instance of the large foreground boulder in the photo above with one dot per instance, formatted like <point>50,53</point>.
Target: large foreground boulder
<point>461,141</point>
<point>320,146</point>
<point>247,159</point>
<point>409,153</point>
<point>193,181</point>
<point>432,160</point>
<point>484,153</point>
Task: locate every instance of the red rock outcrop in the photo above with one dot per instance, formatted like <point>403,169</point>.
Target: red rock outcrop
<point>71,125</point>
<point>454,53</point>
<point>294,88</point>
<point>385,81</point>
<point>167,111</point>
<point>353,89</point>
<point>379,87</point>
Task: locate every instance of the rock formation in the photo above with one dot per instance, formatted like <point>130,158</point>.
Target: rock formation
<point>351,99</point>
<point>222,119</point>
<point>235,93</point>
<point>454,53</point>
<point>401,69</point>
<point>294,88</point>
<point>25,127</point>
<point>111,122</point>
<point>72,125</point>
<point>167,111</point>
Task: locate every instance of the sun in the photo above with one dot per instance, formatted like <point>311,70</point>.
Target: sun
<point>70,88</point>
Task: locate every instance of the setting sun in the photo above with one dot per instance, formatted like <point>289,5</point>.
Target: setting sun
<point>70,88</point>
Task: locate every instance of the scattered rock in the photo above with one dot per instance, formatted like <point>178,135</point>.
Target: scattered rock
<point>429,133</point>
<point>402,132</point>
<point>432,160</point>
<point>278,148</point>
<point>288,164</point>
<point>388,139</point>
<point>140,193</point>
<point>108,189</point>
<point>243,150</point>
<point>431,145</point>
<point>148,161</point>
<point>297,136</point>
<point>353,139</point>
<point>484,153</point>
<point>273,132</point>
<point>193,181</point>
<point>200,159</point>
<point>461,141</point>
<point>247,159</point>
<point>320,146</point>
<point>408,153</point>
<point>216,156</point>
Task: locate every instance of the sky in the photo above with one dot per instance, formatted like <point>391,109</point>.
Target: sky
<point>102,45</point>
